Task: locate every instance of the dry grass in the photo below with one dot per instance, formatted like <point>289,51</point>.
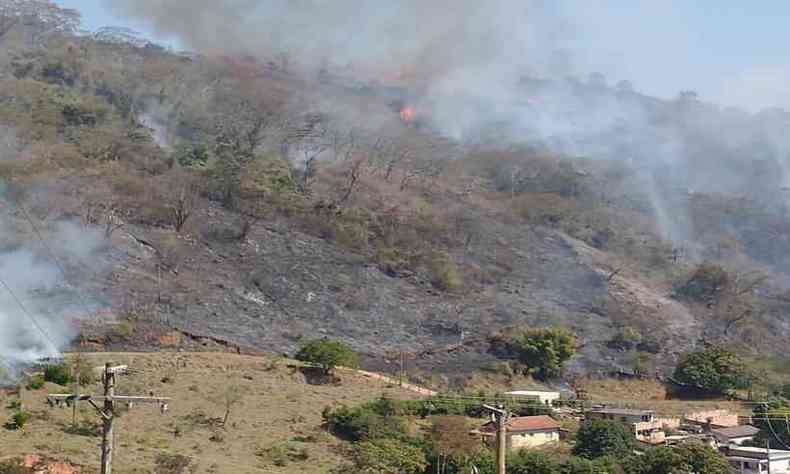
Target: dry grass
<point>278,412</point>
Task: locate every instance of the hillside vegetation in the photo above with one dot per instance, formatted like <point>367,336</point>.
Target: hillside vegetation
<point>245,206</point>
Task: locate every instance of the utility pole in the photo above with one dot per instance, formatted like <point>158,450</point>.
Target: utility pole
<point>501,417</point>
<point>107,412</point>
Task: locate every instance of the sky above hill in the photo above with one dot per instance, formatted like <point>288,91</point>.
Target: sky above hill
<point>730,51</point>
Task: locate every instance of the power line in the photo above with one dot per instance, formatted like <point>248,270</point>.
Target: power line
<point>30,316</point>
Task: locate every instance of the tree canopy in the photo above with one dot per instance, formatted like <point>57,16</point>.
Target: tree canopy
<point>328,354</point>
<point>714,369</point>
<point>545,351</point>
<point>688,459</point>
<point>599,438</point>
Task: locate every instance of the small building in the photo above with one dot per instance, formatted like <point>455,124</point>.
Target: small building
<point>623,415</point>
<point>545,397</point>
<point>525,432</point>
<point>643,423</point>
<point>745,460</point>
<point>713,418</point>
<point>734,434</point>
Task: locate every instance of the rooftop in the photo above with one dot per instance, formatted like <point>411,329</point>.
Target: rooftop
<point>736,431</point>
<point>533,392</point>
<point>523,424</point>
<point>755,453</point>
<point>623,411</point>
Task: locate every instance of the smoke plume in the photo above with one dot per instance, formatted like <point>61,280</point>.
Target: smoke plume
<point>509,65</point>
<point>38,305</point>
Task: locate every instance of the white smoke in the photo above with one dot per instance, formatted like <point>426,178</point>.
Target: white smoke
<point>38,303</point>
<point>469,60</point>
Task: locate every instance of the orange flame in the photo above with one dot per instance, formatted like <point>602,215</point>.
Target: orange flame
<point>408,114</point>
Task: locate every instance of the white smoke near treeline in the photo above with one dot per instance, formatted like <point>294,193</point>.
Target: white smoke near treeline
<point>39,308</point>
<point>39,305</point>
<point>509,65</point>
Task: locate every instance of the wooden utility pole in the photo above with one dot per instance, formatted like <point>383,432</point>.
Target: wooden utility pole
<point>501,417</point>
<point>107,412</point>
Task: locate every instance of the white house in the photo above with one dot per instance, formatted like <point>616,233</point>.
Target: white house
<point>546,397</point>
<point>525,432</point>
<point>745,460</point>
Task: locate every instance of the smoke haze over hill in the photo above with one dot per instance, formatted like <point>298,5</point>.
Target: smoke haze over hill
<point>468,60</point>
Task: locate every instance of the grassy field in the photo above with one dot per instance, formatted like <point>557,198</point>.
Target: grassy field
<point>273,427</point>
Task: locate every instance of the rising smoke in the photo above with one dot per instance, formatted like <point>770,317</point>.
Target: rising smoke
<point>469,60</point>
<point>39,307</point>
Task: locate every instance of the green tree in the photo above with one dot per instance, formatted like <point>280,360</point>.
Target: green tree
<point>765,418</point>
<point>389,456</point>
<point>599,438</point>
<point>605,464</point>
<point>531,462</point>
<point>688,459</point>
<point>363,423</point>
<point>328,354</point>
<point>713,369</point>
<point>545,351</point>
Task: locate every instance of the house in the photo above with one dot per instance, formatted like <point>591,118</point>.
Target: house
<point>525,432</point>
<point>623,415</point>
<point>746,460</point>
<point>734,434</point>
<point>644,424</point>
<point>545,397</point>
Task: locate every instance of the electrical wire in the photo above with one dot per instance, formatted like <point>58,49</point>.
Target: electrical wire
<point>30,316</point>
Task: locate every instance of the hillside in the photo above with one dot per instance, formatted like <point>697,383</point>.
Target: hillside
<point>187,201</point>
<point>276,418</point>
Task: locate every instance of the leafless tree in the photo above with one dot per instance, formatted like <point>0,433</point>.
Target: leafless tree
<point>182,201</point>
<point>106,216</point>
<point>314,140</point>
<point>352,178</point>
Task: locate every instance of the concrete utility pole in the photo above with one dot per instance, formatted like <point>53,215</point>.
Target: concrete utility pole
<point>107,412</point>
<point>501,417</point>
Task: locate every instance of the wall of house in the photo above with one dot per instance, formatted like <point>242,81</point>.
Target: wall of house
<point>669,423</point>
<point>533,439</point>
<point>777,467</point>
<point>723,418</point>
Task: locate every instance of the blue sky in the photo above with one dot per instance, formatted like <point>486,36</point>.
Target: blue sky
<point>731,51</point>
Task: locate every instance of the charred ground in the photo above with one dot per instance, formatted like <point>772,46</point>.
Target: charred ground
<point>248,207</point>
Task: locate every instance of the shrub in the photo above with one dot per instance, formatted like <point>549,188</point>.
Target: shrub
<point>191,155</point>
<point>282,454</point>
<point>526,462</point>
<point>328,354</point>
<point>713,369</point>
<point>14,466</point>
<point>599,438</point>
<point>626,338</point>
<point>361,423</point>
<point>18,421</point>
<point>389,456</point>
<point>36,383</point>
<point>171,464</point>
<point>444,272</point>
<point>59,374</point>
<point>705,283</point>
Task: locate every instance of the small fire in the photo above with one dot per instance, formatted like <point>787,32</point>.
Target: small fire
<point>408,114</point>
